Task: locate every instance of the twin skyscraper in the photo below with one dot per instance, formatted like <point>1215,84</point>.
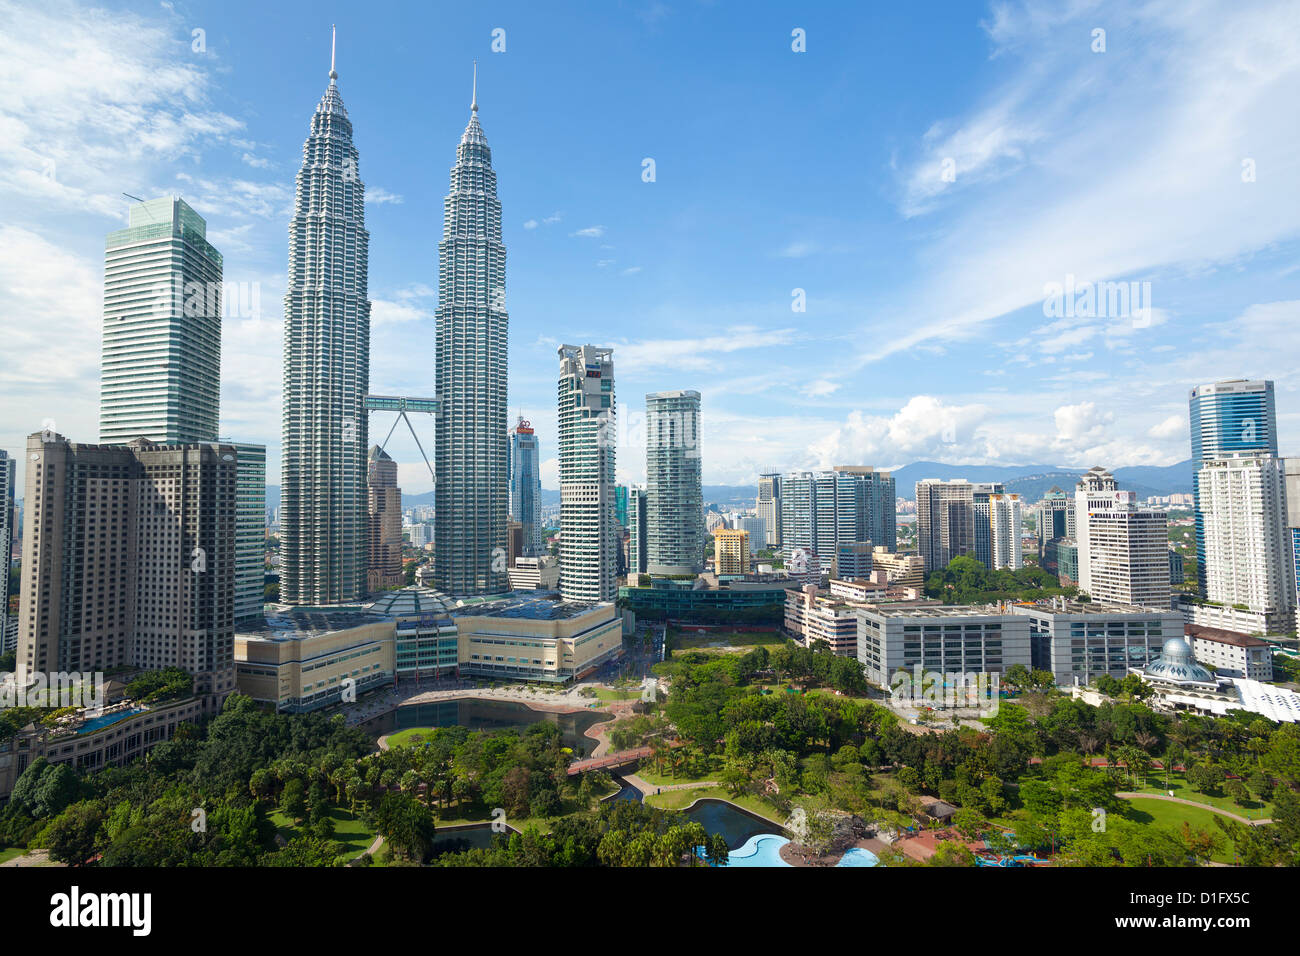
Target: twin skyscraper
<point>327,373</point>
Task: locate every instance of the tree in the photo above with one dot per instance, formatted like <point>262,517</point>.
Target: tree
<point>74,834</point>
<point>293,798</point>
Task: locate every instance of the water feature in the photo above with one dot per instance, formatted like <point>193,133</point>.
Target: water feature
<point>736,825</point>
<point>479,714</point>
<point>476,837</point>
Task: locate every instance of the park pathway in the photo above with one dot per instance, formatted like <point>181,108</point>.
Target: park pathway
<point>647,788</point>
<point>1129,794</point>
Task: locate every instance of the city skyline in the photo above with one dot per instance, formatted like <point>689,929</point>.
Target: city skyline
<point>742,345</point>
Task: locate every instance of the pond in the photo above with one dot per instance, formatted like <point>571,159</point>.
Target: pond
<point>478,714</point>
<point>477,837</point>
<point>735,824</point>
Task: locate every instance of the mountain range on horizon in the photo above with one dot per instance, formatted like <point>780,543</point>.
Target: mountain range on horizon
<point>1030,481</point>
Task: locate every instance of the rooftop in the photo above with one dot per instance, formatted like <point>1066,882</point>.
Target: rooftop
<point>1220,636</point>
<point>298,623</point>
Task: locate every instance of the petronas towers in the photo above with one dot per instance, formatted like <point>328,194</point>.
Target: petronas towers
<point>327,374</point>
<point>471,464</point>
<point>323,517</point>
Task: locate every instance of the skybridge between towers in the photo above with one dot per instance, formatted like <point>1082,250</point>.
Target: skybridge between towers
<point>403,404</point>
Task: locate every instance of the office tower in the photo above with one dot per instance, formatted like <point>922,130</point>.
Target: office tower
<point>161,365</point>
<point>7,478</point>
<point>1228,417</point>
<point>829,512</point>
<point>852,560</point>
<point>675,536</point>
<point>945,521</point>
<point>1249,561</point>
<point>250,531</point>
<point>1122,548</point>
<point>129,560</point>
<point>526,485</point>
<point>1054,520</point>
<point>620,505</point>
<point>589,533</point>
<point>768,507</point>
<point>730,551</point>
<point>323,517</point>
<point>472,326</point>
<point>421,534</point>
<point>865,506</point>
<point>385,522</point>
<point>637,510</point>
<point>1005,520</point>
<point>756,528</point>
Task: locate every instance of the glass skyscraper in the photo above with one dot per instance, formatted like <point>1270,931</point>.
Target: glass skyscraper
<point>1228,417</point>
<point>323,512</point>
<point>675,533</point>
<point>161,365</point>
<point>472,481</point>
<point>526,486</point>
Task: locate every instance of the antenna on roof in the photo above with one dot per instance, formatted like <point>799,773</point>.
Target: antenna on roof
<point>333,39</point>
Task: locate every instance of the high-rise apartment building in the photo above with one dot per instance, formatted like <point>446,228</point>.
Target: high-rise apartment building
<point>1123,549</point>
<point>837,514</point>
<point>1249,557</point>
<point>385,522</point>
<point>1291,467</point>
<point>7,477</point>
<point>1005,521</point>
<point>730,551</point>
<point>1229,417</point>
<point>250,531</point>
<point>768,507</point>
<point>954,518</point>
<point>472,330</point>
<point>161,359</point>
<point>675,531</point>
<point>526,485</point>
<point>637,511</point>
<point>589,532</point>
<point>323,515</point>
<point>129,559</point>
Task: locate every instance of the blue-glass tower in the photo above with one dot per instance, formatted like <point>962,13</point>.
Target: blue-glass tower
<point>1230,417</point>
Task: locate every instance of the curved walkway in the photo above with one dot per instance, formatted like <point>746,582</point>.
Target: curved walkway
<point>648,789</point>
<point>1129,795</point>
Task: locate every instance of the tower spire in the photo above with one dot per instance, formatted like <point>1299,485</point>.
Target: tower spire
<point>473,106</point>
<point>333,38</point>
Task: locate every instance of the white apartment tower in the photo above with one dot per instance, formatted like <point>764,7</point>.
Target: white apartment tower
<point>1123,548</point>
<point>1249,583</point>
<point>589,531</point>
<point>1005,520</point>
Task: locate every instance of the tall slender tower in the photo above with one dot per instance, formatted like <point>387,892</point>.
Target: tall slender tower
<point>675,499</point>
<point>472,488</point>
<point>589,533</point>
<point>526,486</point>
<point>323,513</point>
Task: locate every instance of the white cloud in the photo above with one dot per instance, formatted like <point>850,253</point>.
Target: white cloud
<point>379,195</point>
<point>590,232</point>
<point>531,224</point>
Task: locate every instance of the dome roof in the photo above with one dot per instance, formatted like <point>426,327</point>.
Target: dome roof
<point>411,601</point>
<point>1177,665</point>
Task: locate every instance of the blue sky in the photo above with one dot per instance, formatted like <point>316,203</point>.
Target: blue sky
<point>924,174</point>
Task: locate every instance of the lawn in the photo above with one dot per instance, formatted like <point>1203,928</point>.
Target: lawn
<point>9,854</point>
<point>609,696</point>
<point>709,640</point>
<point>407,737</point>
<point>1170,816</point>
<point>352,832</point>
<point>668,780</point>
<point>1155,783</point>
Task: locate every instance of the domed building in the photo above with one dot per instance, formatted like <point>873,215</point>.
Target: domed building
<point>426,639</point>
<point>1177,665</point>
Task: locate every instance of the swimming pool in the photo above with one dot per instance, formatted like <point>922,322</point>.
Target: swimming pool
<point>761,850</point>
<point>99,723</point>
<point>858,857</point>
